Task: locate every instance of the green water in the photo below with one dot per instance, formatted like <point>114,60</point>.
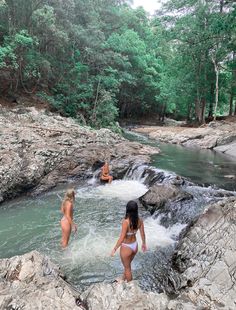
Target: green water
<point>205,167</point>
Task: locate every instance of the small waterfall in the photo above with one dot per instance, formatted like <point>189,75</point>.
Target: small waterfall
<point>136,172</point>
<point>150,175</point>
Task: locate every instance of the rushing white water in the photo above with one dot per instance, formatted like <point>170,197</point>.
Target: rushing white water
<point>100,243</point>
<point>124,190</point>
<point>159,236</point>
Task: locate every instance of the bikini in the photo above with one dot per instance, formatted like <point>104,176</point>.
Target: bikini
<point>133,245</point>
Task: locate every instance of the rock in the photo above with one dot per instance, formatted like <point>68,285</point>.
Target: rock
<point>159,194</point>
<point>39,149</point>
<point>206,259</point>
<point>173,122</point>
<point>32,281</point>
<point>213,136</point>
<point>230,176</point>
<point>123,296</point>
<point>228,149</point>
<point>207,142</point>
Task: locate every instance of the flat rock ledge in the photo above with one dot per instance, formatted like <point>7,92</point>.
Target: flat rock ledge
<point>220,136</point>
<point>39,150</point>
<point>204,264</point>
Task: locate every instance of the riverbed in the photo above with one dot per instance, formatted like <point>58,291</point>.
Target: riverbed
<point>33,223</point>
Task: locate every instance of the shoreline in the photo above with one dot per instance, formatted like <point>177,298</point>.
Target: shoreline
<point>219,136</point>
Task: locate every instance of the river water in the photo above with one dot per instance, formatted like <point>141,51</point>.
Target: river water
<point>33,223</point>
<point>204,167</point>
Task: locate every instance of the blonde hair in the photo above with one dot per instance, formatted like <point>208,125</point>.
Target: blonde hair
<point>69,196</point>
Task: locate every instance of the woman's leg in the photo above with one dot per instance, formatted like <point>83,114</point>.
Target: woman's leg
<point>66,230</point>
<point>127,255</point>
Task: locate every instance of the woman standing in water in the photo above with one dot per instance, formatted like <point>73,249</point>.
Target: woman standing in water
<point>127,241</point>
<point>67,223</point>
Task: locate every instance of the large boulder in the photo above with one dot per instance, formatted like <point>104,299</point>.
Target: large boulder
<point>206,259</point>
<point>159,194</point>
<point>32,281</point>
<point>228,149</point>
<point>123,296</point>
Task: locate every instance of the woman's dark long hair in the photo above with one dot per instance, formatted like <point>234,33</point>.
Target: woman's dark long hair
<point>132,214</point>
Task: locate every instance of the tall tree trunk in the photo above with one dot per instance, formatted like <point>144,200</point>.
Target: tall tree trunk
<point>203,109</point>
<point>163,112</point>
<point>217,86</point>
<point>94,116</point>
<point>198,96</point>
<point>198,110</point>
<point>189,112</point>
<point>231,102</point>
<point>210,114</point>
<point>232,90</point>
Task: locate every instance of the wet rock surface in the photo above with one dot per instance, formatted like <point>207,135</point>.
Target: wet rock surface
<point>159,194</point>
<point>39,149</point>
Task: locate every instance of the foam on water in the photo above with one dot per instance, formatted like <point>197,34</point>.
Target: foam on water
<point>124,190</point>
<point>97,244</point>
<point>93,248</point>
<point>159,236</point>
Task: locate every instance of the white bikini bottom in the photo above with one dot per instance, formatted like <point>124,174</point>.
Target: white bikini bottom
<point>132,246</point>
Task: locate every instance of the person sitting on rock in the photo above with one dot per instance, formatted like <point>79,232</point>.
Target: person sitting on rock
<point>105,173</point>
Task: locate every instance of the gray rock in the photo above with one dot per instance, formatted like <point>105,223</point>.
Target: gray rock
<point>229,149</point>
<point>206,259</point>
<point>32,281</point>
<point>123,296</point>
<point>215,135</point>
<point>39,149</point>
<point>159,194</point>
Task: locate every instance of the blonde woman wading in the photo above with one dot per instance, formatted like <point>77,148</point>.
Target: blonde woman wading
<point>67,223</point>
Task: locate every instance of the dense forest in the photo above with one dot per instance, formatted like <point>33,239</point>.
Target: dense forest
<point>102,60</point>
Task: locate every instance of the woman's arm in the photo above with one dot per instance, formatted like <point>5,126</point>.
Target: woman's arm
<point>143,237</point>
<point>122,237</point>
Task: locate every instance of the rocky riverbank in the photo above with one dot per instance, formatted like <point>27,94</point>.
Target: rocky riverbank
<point>202,274</point>
<point>40,149</point>
<point>220,136</point>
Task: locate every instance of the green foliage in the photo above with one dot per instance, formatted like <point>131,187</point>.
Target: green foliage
<point>99,61</point>
<point>200,36</point>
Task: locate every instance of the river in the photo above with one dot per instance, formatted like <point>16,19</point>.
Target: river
<point>33,223</point>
